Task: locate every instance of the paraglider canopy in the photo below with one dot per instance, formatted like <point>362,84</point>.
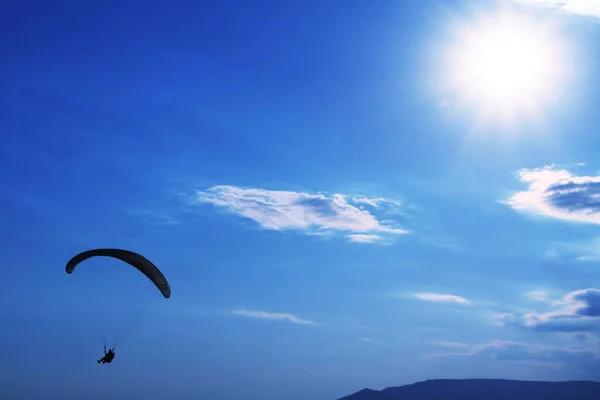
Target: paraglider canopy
<point>136,260</point>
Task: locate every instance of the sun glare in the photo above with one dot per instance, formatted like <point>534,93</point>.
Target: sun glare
<point>507,66</point>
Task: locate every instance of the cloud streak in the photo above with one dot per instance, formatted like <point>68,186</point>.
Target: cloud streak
<point>577,7</point>
<point>441,298</point>
<point>373,341</point>
<point>154,217</point>
<point>587,250</point>
<point>361,238</point>
<point>537,295</point>
<point>559,194</point>
<point>272,316</point>
<point>578,311</point>
<point>554,357</point>
<point>310,213</point>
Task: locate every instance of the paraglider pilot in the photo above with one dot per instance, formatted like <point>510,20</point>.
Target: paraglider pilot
<point>108,356</point>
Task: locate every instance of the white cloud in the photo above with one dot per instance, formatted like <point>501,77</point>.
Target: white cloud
<point>578,311</point>
<point>374,341</point>
<point>374,202</point>
<point>578,7</point>
<point>312,213</point>
<point>581,250</point>
<point>588,258</point>
<point>272,316</point>
<point>557,193</point>
<point>361,238</point>
<point>437,297</point>
<point>554,357</point>
<point>537,295</point>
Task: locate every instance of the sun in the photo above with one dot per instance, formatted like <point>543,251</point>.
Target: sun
<point>507,66</point>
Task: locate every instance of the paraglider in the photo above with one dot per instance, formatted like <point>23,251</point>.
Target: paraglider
<point>108,356</point>
<point>137,261</point>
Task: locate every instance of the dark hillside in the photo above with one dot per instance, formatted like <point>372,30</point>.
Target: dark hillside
<point>484,389</point>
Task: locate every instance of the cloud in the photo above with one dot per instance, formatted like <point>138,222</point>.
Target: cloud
<point>361,238</point>
<point>578,311</point>
<point>311,213</point>
<point>518,352</point>
<point>551,253</point>
<point>578,7</point>
<point>153,216</point>
<point>445,298</point>
<point>273,316</point>
<point>557,193</point>
<point>580,250</point>
<point>374,202</point>
<point>588,258</point>
<point>537,295</point>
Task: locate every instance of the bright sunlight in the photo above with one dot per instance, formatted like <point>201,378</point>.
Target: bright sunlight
<point>509,66</point>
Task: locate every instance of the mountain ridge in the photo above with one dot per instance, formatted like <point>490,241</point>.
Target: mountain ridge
<point>483,389</point>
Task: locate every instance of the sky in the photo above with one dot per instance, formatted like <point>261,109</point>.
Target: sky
<point>341,194</point>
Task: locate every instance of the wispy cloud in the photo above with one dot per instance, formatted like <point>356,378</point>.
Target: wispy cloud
<point>153,216</point>
<point>578,311</point>
<point>272,316</point>
<point>577,7</point>
<point>537,295</point>
<point>519,352</point>
<point>557,193</point>
<point>373,341</point>
<point>28,199</point>
<point>361,238</point>
<point>588,258</point>
<point>374,202</point>
<point>443,298</point>
<point>551,253</point>
<point>587,250</point>
<point>311,213</point>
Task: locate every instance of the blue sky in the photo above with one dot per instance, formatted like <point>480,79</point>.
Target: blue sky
<point>341,195</point>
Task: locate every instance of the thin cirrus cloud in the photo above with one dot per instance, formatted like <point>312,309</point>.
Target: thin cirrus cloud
<point>441,298</point>
<point>273,316</point>
<point>587,250</point>
<point>361,238</point>
<point>578,311</point>
<point>537,295</point>
<point>559,194</point>
<point>583,358</point>
<point>310,213</point>
<point>578,7</point>
<point>584,251</point>
<point>374,342</point>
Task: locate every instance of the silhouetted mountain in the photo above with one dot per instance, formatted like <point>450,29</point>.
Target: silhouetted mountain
<point>484,389</point>
<point>367,394</point>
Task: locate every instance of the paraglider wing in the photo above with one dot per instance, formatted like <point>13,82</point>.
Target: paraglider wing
<point>136,260</point>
